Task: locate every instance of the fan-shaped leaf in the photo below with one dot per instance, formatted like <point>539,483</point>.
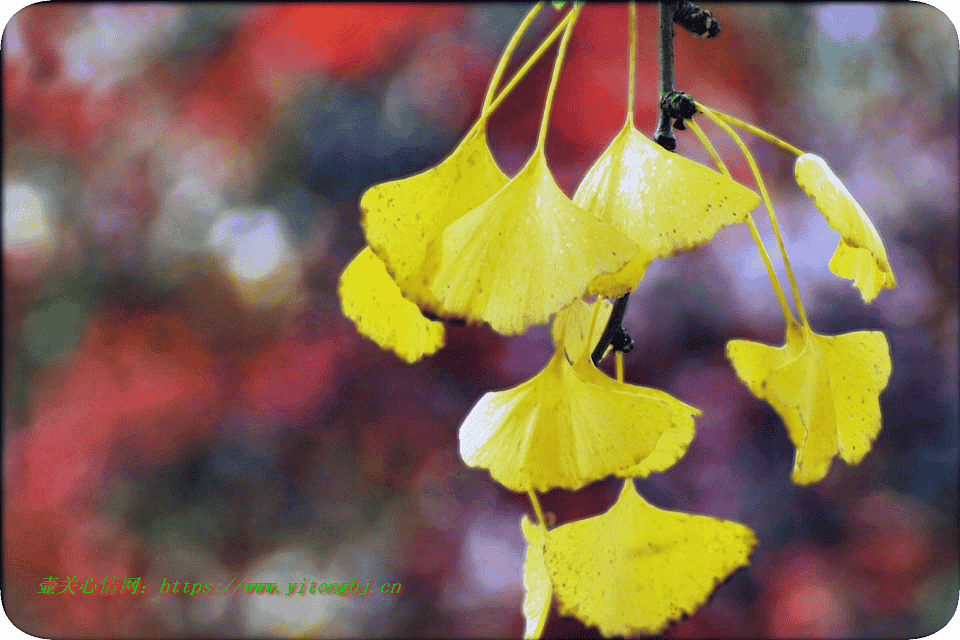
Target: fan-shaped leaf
<point>537,590</point>
<point>401,217</point>
<point>556,430</point>
<point>523,255</point>
<point>636,568</point>
<point>860,256</point>
<point>826,389</point>
<point>371,299</point>
<point>662,201</point>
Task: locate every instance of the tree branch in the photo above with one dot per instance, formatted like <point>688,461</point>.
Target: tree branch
<point>664,135</point>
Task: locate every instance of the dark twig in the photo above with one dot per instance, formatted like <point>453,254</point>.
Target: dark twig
<point>430,315</point>
<point>664,135</point>
<point>614,326</point>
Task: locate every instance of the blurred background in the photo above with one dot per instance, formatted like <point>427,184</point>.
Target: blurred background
<point>183,399</point>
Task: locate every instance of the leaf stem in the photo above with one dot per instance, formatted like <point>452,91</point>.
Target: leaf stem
<point>520,73</point>
<point>554,79</point>
<point>632,82</point>
<point>766,200</point>
<point>787,314</point>
<point>757,131</point>
<point>508,53</point>
<point>536,507</point>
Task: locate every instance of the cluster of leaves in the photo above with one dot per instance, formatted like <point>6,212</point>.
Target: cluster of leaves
<point>463,240</point>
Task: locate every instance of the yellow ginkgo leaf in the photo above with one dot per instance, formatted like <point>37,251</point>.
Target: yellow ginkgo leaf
<point>861,256</point>
<point>523,255</point>
<point>571,326</point>
<point>662,201</point>
<point>537,590</point>
<point>670,447</point>
<point>636,568</point>
<point>675,437</point>
<point>625,280</point>
<point>825,388</point>
<point>401,217</point>
<point>570,330</point>
<point>371,299</point>
<point>556,430</point>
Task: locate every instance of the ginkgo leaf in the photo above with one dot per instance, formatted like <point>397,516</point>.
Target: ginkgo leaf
<point>570,329</point>
<point>537,590</point>
<point>623,281</point>
<point>524,254</point>
<point>662,201</point>
<point>556,430</point>
<point>670,447</point>
<point>371,299</point>
<point>675,437</point>
<point>571,326</point>
<point>860,256</point>
<point>401,217</point>
<point>636,568</point>
<point>825,388</point>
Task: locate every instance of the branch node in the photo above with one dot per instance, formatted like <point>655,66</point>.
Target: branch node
<point>696,20</point>
<point>677,104</point>
<point>622,341</point>
<point>667,140</point>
